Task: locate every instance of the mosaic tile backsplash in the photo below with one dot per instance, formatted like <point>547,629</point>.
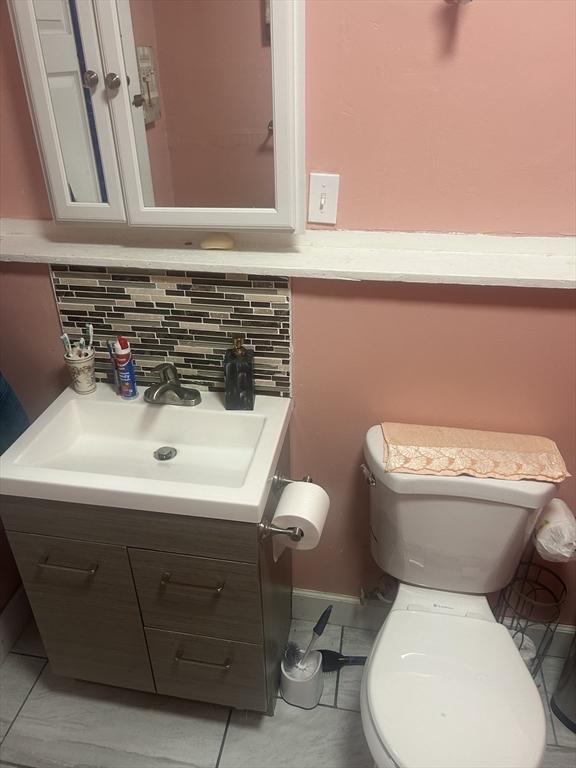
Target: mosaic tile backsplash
<point>187,318</point>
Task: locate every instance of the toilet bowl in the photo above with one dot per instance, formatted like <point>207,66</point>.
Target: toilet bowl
<point>445,686</point>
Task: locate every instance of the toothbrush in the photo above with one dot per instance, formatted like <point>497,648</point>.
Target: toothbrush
<point>316,633</point>
<point>110,345</point>
<point>65,339</point>
<point>90,337</point>
<point>81,346</point>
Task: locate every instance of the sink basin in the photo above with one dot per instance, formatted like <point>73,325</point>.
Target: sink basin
<point>99,449</point>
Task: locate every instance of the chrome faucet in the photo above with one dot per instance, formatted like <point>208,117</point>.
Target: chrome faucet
<point>170,390</point>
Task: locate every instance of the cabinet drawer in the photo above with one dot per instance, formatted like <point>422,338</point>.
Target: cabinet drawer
<point>208,669</point>
<point>83,598</point>
<point>198,595</point>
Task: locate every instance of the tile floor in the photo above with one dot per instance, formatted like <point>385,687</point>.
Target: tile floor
<point>51,722</point>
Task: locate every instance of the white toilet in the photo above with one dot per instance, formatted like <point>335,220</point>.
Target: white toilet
<point>444,686</point>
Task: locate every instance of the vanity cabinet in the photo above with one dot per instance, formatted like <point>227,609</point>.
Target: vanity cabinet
<point>179,605</point>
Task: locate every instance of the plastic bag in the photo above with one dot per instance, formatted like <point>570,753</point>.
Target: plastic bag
<point>555,533</point>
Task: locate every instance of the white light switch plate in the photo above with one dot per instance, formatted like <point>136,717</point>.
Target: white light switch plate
<point>323,198</point>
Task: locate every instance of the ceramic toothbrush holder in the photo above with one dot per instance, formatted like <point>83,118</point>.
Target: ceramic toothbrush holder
<point>82,373</point>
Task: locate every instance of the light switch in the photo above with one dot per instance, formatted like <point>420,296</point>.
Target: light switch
<point>323,198</point>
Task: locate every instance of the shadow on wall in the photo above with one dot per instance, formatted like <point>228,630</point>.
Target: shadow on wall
<point>31,355</point>
<point>449,17</point>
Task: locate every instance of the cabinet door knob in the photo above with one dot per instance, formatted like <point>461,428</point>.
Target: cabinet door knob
<point>90,79</point>
<point>112,81</point>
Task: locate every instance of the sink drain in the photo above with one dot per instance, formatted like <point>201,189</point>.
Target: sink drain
<point>165,453</point>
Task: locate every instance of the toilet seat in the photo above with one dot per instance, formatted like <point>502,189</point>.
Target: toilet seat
<point>446,690</point>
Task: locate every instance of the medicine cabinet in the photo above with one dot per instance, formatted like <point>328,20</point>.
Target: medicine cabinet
<point>168,113</point>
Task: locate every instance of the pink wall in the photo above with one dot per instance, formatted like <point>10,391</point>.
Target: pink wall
<point>476,138</point>
<point>31,360</point>
<point>495,358</point>
<point>477,357</point>
<point>22,188</point>
<point>26,310</point>
<point>30,347</point>
<point>215,65</point>
<point>142,13</point>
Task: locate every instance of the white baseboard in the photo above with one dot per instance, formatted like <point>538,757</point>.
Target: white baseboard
<point>349,612</point>
<point>13,621</point>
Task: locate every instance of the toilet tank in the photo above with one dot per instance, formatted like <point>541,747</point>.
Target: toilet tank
<point>460,534</point>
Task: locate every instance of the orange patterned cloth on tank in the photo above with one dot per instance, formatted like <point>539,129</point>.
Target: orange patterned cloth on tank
<point>448,451</point>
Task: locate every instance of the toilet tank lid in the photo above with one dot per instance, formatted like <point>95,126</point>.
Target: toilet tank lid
<point>530,494</point>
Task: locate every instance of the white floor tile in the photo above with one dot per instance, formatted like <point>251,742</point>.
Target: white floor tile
<point>355,642</point>
<point>17,677</point>
<point>558,757</point>
<point>295,738</point>
<point>30,642</point>
<point>67,722</point>
<point>550,735</point>
<point>301,632</point>
<point>552,669</point>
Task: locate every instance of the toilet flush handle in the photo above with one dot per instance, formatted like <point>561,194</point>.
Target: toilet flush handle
<point>368,476</point>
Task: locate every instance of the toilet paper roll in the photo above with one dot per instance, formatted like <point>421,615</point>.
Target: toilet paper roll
<point>302,505</point>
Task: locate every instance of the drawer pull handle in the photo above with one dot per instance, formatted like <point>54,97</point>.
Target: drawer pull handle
<point>166,578</point>
<point>43,563</point>
<point>225,665</point>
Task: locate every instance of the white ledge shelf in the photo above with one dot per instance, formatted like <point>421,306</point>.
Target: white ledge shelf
<point>458,259</point>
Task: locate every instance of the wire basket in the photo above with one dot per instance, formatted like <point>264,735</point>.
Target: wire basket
<point>530,608</point>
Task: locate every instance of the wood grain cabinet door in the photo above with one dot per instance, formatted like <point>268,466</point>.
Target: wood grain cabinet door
<point>83,598</point>
<point>198,595</point>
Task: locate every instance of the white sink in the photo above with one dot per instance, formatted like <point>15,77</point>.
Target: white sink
<point>99,449</point>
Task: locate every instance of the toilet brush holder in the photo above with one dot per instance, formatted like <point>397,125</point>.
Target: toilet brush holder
<point>302,687</point>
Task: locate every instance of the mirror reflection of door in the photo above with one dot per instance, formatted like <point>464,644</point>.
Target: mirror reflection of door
<point>200,75</point>
<point>71,95</point>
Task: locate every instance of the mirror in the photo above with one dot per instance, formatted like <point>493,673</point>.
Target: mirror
<point>200,91</point>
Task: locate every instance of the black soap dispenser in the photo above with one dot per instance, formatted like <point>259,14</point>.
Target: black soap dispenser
<point>239,377</point>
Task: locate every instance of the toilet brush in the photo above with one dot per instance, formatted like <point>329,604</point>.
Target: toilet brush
<point>301,678</point>
<point>316,633</point>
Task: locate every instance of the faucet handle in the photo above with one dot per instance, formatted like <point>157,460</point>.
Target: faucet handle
<point>167,372</point>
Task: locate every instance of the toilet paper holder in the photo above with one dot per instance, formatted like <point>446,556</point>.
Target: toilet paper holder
<point>269,529</point>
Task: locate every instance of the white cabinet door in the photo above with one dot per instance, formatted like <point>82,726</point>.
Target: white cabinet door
<point>58,45</point>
